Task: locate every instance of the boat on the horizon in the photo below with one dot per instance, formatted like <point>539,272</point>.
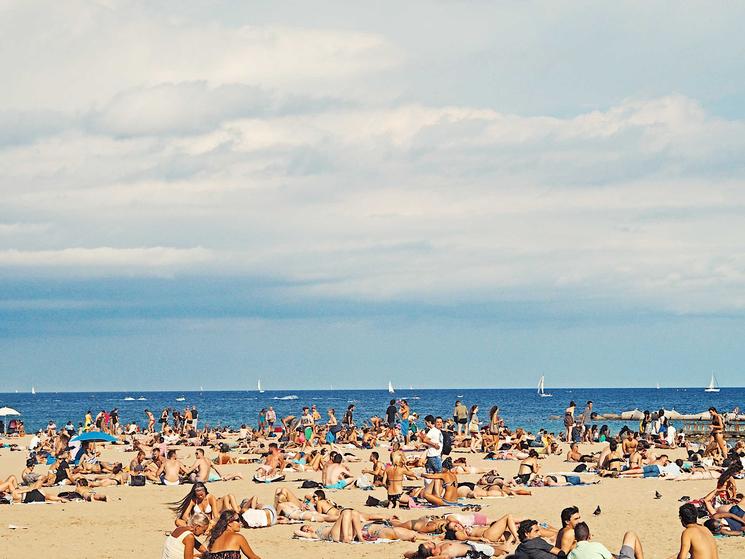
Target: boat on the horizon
<point>142,399</point>
<point>33,389</point>
<point>541,391</point>
<point>180,399</point>
<point>390,388</point>
<point>713,387</point>
<point>258,387</point>
<point>658,386</point>
<point>129,399</point>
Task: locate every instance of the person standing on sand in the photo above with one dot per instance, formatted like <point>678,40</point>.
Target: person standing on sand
<point>271,417</point>
<point>194,417</point>
<point>150,421</point>
<point>404,412</point>
<point>460,417</point>
<point>586,418</point>
<point>569,421</point>
<point>696,541</point>
<point>348,419</point>
<point>433,439</point>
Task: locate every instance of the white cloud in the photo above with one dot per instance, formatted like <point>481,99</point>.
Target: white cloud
<point>271,146</point>
<point>101,259</point>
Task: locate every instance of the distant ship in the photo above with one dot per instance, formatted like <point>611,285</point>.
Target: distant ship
<point>390,388</point>
<point>33,389</point>
<point>180,399</point>
<point>258,387</point>
<point>712,385</point>
<point>129,399</point>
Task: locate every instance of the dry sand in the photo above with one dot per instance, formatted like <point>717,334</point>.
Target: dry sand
<point>135,521</point>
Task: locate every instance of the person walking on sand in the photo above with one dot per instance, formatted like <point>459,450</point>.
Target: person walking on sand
<point>696,541</point>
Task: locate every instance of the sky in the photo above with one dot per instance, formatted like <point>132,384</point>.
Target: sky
<point>442,193</point>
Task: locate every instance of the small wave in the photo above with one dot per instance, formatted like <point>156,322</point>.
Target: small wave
<point>414,398</point>
<point>290,397</point>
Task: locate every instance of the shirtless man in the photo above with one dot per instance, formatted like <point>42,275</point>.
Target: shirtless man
<point>156,461</point>
<point>565,539</point>
<point>376,469</point>
<point>274,462</point>
<point>336,475</point>
<point>171,470</point>
<point>696,541</point>
<point>203,470</point>
<point>629,444</point>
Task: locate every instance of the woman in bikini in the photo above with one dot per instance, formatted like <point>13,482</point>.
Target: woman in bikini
<point>528,468</point>
<point>393,479</point>
<point>474,429</point>
<point>493,533</point>
<point>287,504</point>
<point>198,499</point>
<point>445,483</point>
<point>423,525</point>
<point>717,430</point>
<point>226,542</point>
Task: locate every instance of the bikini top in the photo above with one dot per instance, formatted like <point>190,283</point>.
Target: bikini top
<point>206,510</point>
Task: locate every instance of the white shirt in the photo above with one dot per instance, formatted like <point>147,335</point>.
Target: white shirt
<point>434,435</point>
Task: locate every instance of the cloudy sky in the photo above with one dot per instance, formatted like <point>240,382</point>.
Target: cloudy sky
<point>442,193</point>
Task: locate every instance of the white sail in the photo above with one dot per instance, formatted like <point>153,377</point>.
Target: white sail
<point>258,387</point>
<point>658,386</point>
<point>712,385</point>
<point>541,392</point>
<point>390,388</point>
<point>33,390</point>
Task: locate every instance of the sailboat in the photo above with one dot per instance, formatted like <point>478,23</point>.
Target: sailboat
<point>258,387</point>
<point>658,386</point>
<point>33,389</point>
<point>712,385</point>
<point>390,388</point>
<point>541,392</point>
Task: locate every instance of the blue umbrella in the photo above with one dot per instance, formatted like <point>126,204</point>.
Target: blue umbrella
<point>95,436</point>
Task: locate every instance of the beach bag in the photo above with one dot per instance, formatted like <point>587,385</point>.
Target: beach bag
<point>364,482</point>
<point>310,484</point>
<point>447,443</point>
<point>137,481</point>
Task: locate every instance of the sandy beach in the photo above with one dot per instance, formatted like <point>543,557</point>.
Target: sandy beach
<point>135,520</point>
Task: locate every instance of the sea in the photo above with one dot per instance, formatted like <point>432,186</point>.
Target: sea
<point>518,407</point>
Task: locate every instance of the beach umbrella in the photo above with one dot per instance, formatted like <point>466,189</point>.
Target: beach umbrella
<point>5,412</point>
<point>96,437</point>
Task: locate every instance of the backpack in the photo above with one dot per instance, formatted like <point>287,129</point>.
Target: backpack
<point>447,442</point>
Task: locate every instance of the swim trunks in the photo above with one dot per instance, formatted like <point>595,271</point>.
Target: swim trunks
<point>341,484</point>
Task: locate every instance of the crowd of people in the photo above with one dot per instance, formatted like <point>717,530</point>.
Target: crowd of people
<point>420,471</point>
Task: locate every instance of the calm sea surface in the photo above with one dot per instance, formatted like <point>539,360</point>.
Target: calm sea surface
<point>519,407</point>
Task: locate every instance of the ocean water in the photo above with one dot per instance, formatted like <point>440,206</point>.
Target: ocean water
<point>519,407</point>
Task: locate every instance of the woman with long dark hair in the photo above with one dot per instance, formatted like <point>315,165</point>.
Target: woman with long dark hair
<point>717,430</point>
<point>225,540</point>
<point>199,500</point>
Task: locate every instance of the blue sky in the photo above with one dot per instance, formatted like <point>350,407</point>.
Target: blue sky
<point>442,193</point>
